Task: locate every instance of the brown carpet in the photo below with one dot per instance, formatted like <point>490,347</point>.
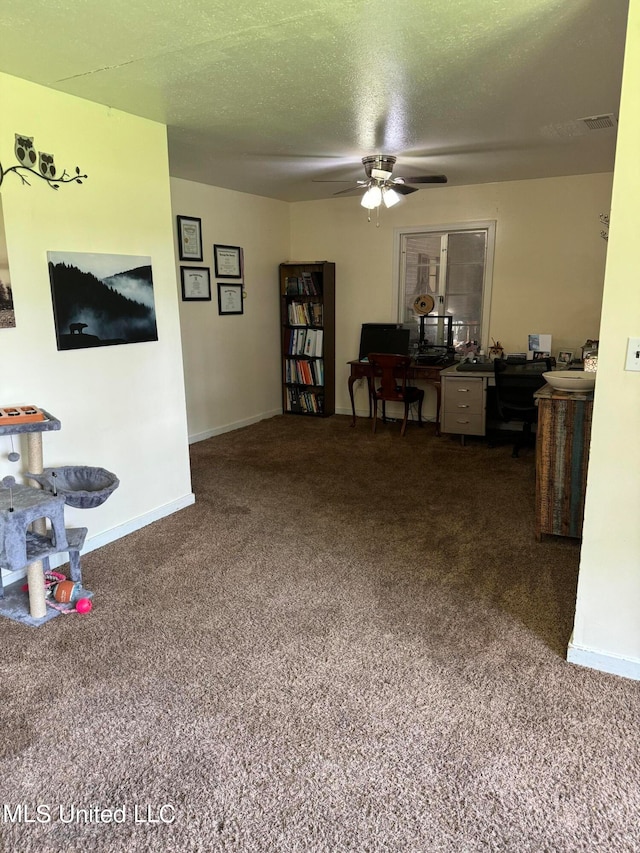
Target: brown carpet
<point>350,643</point>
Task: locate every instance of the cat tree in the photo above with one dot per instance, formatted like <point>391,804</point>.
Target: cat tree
<point>24,510</point>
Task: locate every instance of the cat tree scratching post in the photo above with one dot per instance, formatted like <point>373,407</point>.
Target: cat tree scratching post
<point>34,430</point>
<point>35,571</point>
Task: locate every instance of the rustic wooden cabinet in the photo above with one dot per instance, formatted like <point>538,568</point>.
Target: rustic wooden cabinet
<point>562,456</point>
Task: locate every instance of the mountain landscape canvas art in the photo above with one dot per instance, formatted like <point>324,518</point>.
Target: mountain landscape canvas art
<point>101,300</point>
<point>7,314</point>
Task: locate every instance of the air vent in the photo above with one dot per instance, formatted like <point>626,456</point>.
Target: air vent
<point>599,122</point>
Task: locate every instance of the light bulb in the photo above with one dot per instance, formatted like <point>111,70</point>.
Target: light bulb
<point>372,198</point>
<point>390,197</point>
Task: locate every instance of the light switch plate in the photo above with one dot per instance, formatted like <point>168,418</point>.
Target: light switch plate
<point>633,354</point>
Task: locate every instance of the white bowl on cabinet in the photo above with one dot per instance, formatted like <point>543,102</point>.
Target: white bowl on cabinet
<point>571,380</point>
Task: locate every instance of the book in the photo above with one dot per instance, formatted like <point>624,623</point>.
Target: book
<point>310,342</point>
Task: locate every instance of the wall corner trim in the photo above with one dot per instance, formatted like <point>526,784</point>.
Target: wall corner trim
<point>603,661</point>
<point>210,433</point>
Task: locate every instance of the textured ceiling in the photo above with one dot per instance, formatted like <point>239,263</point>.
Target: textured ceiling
<point>271,96</point>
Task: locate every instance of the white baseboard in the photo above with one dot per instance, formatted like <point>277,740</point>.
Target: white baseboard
<point>111,535</point>
<point>363,413</point>
<point>209,433</point>
<point>603,661</point>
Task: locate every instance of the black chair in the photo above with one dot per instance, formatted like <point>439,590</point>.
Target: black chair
<point>515,387</point>
<point>391,371</point>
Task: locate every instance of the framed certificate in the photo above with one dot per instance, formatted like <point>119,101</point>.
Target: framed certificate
<point>230,299</point>
<point>228,261</point>
<point>196,284</point>
<point>190,238</point>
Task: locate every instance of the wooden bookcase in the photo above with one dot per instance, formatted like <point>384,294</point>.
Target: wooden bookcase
<point>307,336</point>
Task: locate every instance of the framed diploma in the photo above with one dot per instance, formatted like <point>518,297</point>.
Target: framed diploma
<point>196,284</point>
<point>228,261</point>
<point>230,298</point>
<point>190,238</point>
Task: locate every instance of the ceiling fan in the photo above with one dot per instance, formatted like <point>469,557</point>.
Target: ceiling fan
<point>379,187</point>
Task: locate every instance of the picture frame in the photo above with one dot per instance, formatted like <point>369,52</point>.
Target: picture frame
<point>196,284</point>
<point>565,356</point>
<point>115,303</point>
<point>227,261</point>
<point>230,298</point>
<point>539,355</point>
<point>189,238</point>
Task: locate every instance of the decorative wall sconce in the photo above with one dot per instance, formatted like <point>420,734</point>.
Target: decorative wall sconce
<point>46,168</point>
<point>604,219</point>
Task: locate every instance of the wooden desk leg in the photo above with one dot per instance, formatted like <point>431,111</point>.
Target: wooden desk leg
<point>437,386</point>
<point>352,379</point>
<point>35,571</point>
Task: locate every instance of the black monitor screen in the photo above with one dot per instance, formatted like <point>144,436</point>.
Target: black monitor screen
<point>383,337</point>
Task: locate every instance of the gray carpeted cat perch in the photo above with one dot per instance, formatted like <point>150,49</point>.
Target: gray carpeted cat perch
<point>80,486</point>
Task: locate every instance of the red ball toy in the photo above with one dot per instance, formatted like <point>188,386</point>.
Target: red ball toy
<point>84,605</point>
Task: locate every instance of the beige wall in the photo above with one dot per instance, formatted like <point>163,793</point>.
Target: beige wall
<point>231,363</point>
<point>607,625</point>
<point>548,266</point>
<point>121,407</point>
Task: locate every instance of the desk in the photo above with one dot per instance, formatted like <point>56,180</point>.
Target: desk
<point>464,397</point>
<point>429,373</point>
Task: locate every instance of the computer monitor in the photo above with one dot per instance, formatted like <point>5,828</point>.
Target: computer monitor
<point>384,337</point>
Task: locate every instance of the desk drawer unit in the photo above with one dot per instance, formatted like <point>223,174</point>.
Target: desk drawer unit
<point>464,405</point>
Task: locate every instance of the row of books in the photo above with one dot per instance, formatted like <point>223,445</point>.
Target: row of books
<point>308,283</point>
<point>304,372</point>
<point>308,402</point>
<point>305,313</point>
<point>304,342</point>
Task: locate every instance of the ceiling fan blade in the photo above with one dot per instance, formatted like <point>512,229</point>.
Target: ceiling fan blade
<point>352,189</point>
<point>427,179</point>
<point>403,189</point>
<point>333,181</point>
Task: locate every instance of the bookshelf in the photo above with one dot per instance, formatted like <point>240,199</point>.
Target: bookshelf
<point>307,319</point>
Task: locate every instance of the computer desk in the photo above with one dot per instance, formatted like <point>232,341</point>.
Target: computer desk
<point>464,397</point>
<point>428,373</point>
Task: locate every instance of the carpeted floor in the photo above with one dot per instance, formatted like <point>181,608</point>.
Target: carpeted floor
<point>350,643</point>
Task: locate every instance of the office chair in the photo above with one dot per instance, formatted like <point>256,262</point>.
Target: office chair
<point>391,372</point>
<point>515,387</point>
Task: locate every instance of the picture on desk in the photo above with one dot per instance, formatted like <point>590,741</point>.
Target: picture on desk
<point>538,355</point>
<point>565,357</point>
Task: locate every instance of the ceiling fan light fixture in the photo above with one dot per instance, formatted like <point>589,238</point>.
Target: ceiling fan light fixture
<point>380,174</point>
<point>390,197</point>
<point>372,198</point>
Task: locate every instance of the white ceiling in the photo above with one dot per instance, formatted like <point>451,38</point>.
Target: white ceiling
<point>270,96</point>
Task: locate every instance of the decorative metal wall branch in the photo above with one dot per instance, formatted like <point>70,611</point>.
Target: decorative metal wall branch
<point>604,218</point>
<point>46,170</point>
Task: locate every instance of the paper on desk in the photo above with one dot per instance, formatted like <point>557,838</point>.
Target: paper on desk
<point>539,343</point>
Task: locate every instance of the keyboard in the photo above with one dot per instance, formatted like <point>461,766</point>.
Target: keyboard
<point>470,366</point>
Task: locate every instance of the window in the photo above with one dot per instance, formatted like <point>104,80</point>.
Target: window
<point>453,264</point>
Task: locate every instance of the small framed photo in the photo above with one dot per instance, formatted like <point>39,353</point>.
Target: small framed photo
<point>196,284</point>
<point>539,355</point>
<point>228,261</point>
<point>190,238</point>
<point>230,299</point>
<point>565,356</point>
